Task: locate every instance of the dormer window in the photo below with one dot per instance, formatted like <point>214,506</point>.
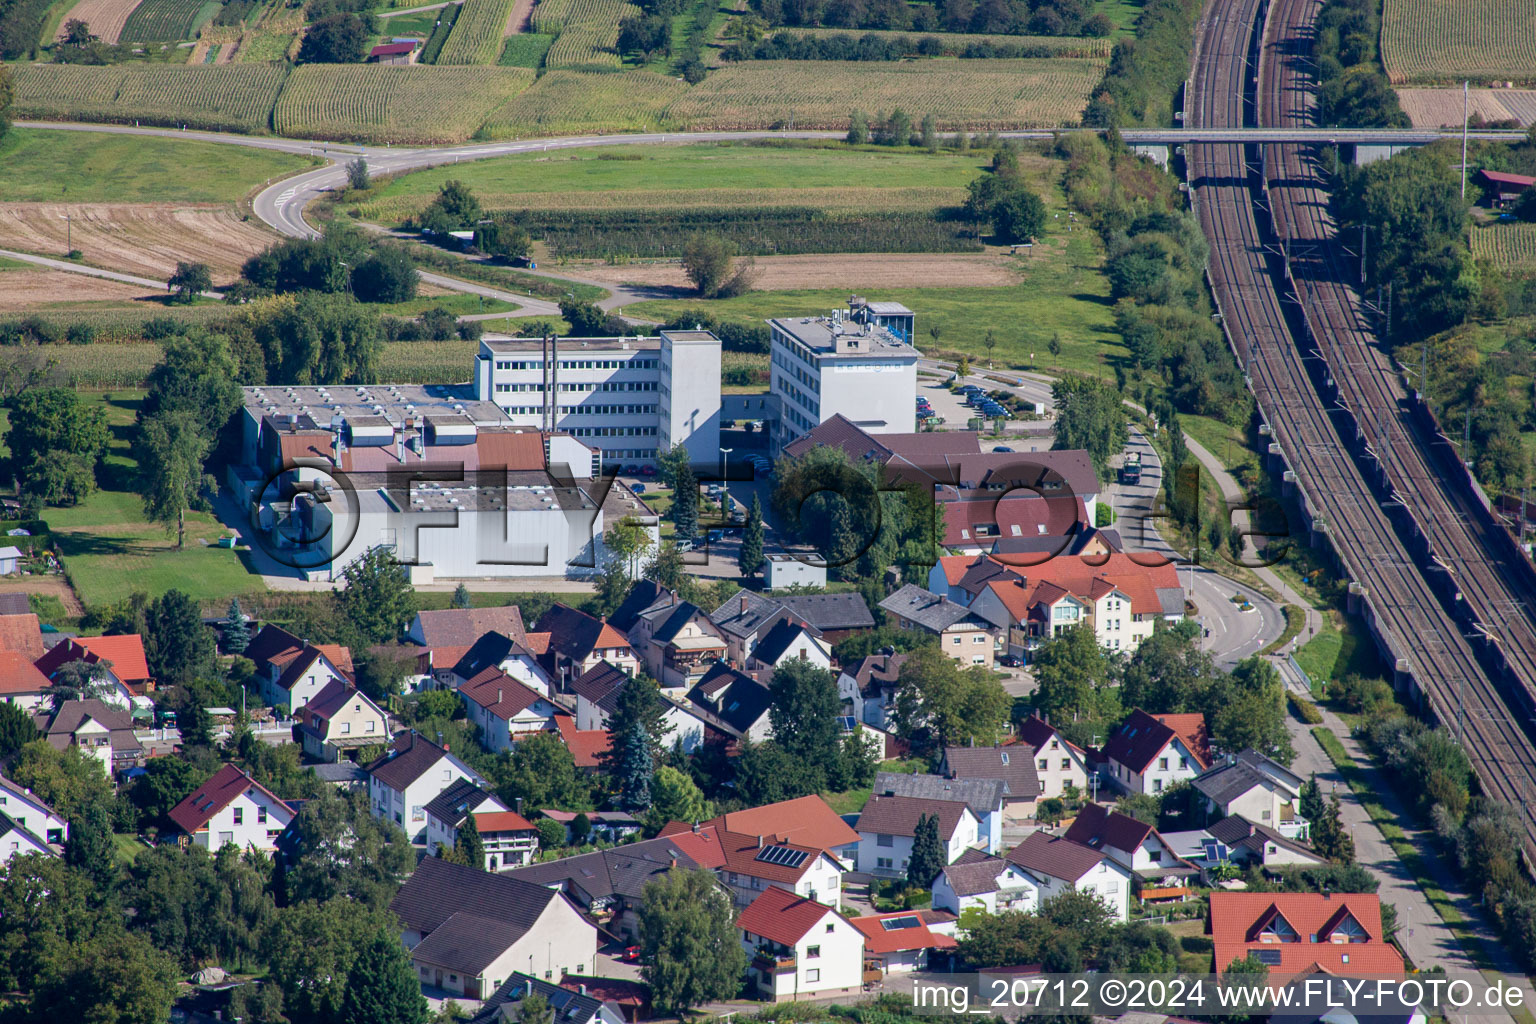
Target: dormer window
<point>1278,930</point>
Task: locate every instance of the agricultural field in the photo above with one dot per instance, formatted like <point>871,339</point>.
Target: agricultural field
<point>857,272</point>
<point>154,21</point>
<point>95,167</point>
<point>955,42</point>
<point>235,98</point>
<point>1441,108</point>
<point>137,238</point>
<point>525,50</point>
<point>377,104</point>
<point>106,17</point>
<point>26,289</point>
<point>973,94</point>
<point>429,362</point>
<point>1450,40</point>
<point>1506,246</point>
<point>565,102</point>
<point>478,32</point>
<point>586,31</point>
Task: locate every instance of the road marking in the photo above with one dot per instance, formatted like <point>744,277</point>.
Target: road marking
<point>283,197</point>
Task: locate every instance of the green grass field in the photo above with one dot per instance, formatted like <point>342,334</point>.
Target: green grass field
<point>110,550</point>
<point>43,165</point>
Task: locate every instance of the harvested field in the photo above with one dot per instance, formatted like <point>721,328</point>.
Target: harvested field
<point>139,238</point>
<point>1451,40</point>
<point>977,94</point>
<point>27,291</point>
<point>106,17</point>
<point>858,271</point>
<point>1441,108</point>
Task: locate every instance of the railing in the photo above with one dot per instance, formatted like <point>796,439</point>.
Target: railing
<point>768,961</point>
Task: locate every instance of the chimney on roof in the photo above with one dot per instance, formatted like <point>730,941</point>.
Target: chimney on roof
<point>672,862</point>
<point>528,987</point>
<point>519,802</point>
<point>498,695</point>
<point>743,604</point>
<point>759,842</point>
<point>582,988</point>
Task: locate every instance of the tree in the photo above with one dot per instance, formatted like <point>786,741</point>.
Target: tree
<point>586,319</point>
<point>939,704</point>
<point>766,774</point>
<point>542,773</point>
<point>317,337</point>
<point>469,845</point>
<point>927,853</point>
<point>1018,215</point>
<point>897,130</point>
<point>685,503</point>
<point>1254,716</point>
<point>455,204</point>
<point>502,240</point>
<point>117,978</point>
<point>649,37</point>
<point>675,797</point>
<point>357,175</point>
<point>691,951</point>
<point>707,262</point>
<point>1075,680</point>
<point>636,768</point>
<point>310,950</point>
<point>55,443</point>
<point>16,729</point>
<point>1330,837</point>
<point>377,599</point>
<point>930,133</point>
<point>237,628</point>
<point>171,448</point>
<point>461,598</point>
<point>551,834</point>
<point>69,780</point>
<point>166,782</point>
<point>804,708</point>
<point>858,128</point>
<point>177,644</point>
<point>1310,805</point>
<point>189,281</point>
<point>628,540</point>
<point>534,1008</point>
<point>90,848</point>
<point>388,275</point>
<point>581,828</point>
<point>749,558</point>
<point>338,39</point>
<point>1091,416</point>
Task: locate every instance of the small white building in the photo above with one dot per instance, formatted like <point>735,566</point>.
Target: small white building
<point>899,943</point>
<point>302,679</point>
<point>232,808</point>
<point>789,641</point>
<point>1059,763</point>
<point>411,775</point>
<point>28,811</point>
<point>888,829</point>
<point>984,882</point>
<point>1058,865</point>
<point>1149,753</point>
<point>781,571</point>
<point>10,560</point>
<point>1257,788</point>
<point>16,841</point>
<point>798,948</point>
<point>509,839</point>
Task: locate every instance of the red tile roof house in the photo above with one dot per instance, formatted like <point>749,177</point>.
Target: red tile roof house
<point>1149,753</point>
<point>888,829</point>
<point>799,949</point>
<point>128,673</point>
<point>1057,864</point>
<point>749,864</point>
<point>985,882</point>
<point>899,943</point>
<point>341,719</point>
<point>22,683</point>
<point>578,642</point>
<point>587,746</point>
<point>232,808</point>
<point>1300,932</point>
<point>509,839</point>
<point>503,708</point>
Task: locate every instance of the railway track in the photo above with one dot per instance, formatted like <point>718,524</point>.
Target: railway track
<point>1269,320</point>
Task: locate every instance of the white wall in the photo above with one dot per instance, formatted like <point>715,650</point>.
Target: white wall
<point>838,963</point>
<point>1173,764</point>
<point>260,819</point>
<point>966,835</point>
<point>560,942</point>
<point>1063,766</point>
<point>804,644</point>
<point>690,396</point>
<point>409,809</point>
<point>33,815</point>
<point>1009,878</point>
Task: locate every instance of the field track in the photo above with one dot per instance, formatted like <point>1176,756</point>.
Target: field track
<point>137,238</point>
<point>105,17</point>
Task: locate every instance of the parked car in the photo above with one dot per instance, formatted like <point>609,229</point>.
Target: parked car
<point>686,544</point>
<point>630,955</point>
<point>647,470</point>
<point>1010,660</point>
<point>631,470</point>
<point>1002,448</point>
<point>716,535</point>
<point>637,488</point>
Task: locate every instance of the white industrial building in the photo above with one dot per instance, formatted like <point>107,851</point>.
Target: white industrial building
<point>859,363</point>
<point>629,398</point>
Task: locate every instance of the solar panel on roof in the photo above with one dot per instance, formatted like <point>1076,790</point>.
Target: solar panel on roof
<point>892,924</point>
<point>782,855</point>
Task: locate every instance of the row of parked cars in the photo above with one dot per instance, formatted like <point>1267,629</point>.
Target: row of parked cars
<point>977,398</point>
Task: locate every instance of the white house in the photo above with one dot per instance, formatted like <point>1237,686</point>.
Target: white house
<point>1130,843</point>
<point>1257,788</point>
<point>789,641</point>
<point>1059,763</point>
<point>232,808</point>
<point>27,810</point>
<point>21,683</point>
<point>985,797</point>
<point>103,731</point>
<point>985,882</point>
<point>748,864</point>
<point>468,930</point>
<point>798,948</point>
<point>676,639</point>
<point>508,838</point>
<point>888,828</point>
<point>1243,842</point>
<point>899,943</point>
<point>597,694</point>
<point>1013,766</point>
<point>16,841</point>
<point>1058,865</point>
<point>122,672</point>
<point>1149,753</point>
<point>735,701</point>
<point>782,571</point>
<point>495,650</point>
<point>340,718</point>
<point>504,708</point>
<point>410,776</point>
<point>10,560</point>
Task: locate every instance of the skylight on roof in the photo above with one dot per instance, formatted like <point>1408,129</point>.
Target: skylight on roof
<point>892,924</point>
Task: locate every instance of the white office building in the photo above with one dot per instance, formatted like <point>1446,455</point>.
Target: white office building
<point>848,363</point>
<point>630,398</point>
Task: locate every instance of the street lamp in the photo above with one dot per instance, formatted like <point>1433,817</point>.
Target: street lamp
<point>725,479</point>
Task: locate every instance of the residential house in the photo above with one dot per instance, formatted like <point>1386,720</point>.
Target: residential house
<point>585,1002</point>
<point>962,634</point>
<point>674,638</point>
<point>232,808</point>
<point>867,687</point>
<point>21,682</point>
<point>1060,764</point>
<point>631,997</point>
<point>95,727</point>
<point>289,672</point>
<point>501,652</point>
<point>410,776</point>
<point>608,884</point>
<point>504,708</point>
<point>461,627</point>
<point>748,864</point>
<point>27,810</point>
<point>509,839</point>
<point>899,943</point>
<point>789,640</point>
<point>1130,843</point>
<point>21,632</point>
<point>985,798</point>
<point>1248,842</point>
<point>1257,788</point>
<point>1013,765</point>
<point>597,694</point>
<point>1293,933</point>
<point>127,675</point>
<point>985,882</point>
<point>606,826</point>
<point>587,746</point>
<point>578,642</point>
<point>341,720</point>
<point>468,930</point>
<point>16,840</point>
<point>798,948</point>
<point>804,821</point>
<point>1057,864</point>
<point>963,578</point>
<point>737,702</point>
<point>747,617</point>
<point>888,829</point>
<point>1149,753</point>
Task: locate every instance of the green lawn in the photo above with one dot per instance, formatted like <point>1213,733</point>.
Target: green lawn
<point>459,304</point>
<point>1122,12</point>
<point>1336,652</point>
<point>44,165</point>
<point>126,847</point>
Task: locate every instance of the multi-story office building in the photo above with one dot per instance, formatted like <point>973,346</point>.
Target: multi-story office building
<point>628,397</point>
<point>844,363</point>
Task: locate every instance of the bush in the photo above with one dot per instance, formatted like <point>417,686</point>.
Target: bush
<point>386,276</point>
<point>338,39</point>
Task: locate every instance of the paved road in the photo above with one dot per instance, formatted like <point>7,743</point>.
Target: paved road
<point>110,275</point>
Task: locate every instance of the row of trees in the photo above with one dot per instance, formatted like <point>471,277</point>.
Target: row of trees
<point>990,17</point>
<point>873,47</point>
<point>1352,88</point>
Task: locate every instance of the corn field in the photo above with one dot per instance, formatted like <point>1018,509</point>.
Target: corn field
<point>477,34</point>
<point>1452,40</point>
<point>235,98</point>
<point>586,31</point>
<point>373,103</point>
<point>1507,246</point>
<point>586,101</point>
<point>427,362</point>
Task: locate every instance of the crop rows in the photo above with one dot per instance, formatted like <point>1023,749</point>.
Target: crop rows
<point>584,46</point>
<point>426,362</point>
<point>477,34</point>
<point>551,16</point>
<point>974,94</point>
<point>237,97</point>
<point>587,31</point>
<point>155,21</point>
<point>1452,40</point>
<point>374,103</point>
<point>568,102</point>
<point>1508,246</point>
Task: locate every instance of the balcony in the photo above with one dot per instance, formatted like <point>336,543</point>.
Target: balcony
<point>766,960</point>
<point>1298,829</point>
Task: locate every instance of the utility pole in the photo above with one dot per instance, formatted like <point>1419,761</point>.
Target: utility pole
<point>1362,254</point>
<point>1464,139</point>
<point>1424,372</point>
